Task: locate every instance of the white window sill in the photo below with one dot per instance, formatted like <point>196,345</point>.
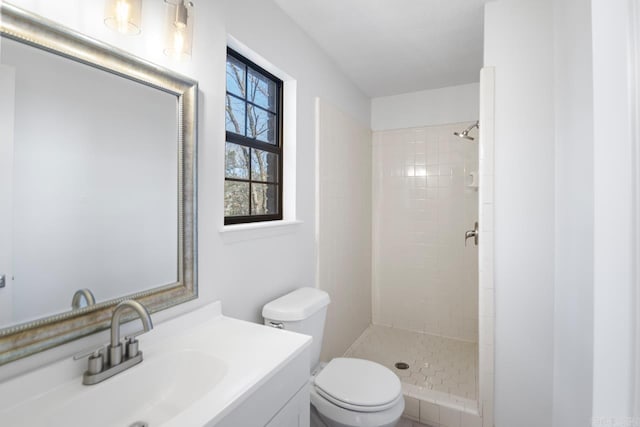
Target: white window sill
<point>258,230</point>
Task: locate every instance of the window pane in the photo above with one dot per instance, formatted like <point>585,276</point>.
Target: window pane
<point>264,166</point>
<point>235,115</point>
<point>235,76</point>
<point>237,161</point>
<point>264,200</point>
<point>262,90</point>
<point>262,124</point>
<point>236,198</point>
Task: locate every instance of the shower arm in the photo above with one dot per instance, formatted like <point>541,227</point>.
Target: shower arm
<point>470,128</point>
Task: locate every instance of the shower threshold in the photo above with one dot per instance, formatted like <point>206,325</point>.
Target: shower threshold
<point>433,369</point>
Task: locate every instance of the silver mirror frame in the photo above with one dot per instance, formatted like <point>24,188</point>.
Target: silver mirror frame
<point>29,338</point>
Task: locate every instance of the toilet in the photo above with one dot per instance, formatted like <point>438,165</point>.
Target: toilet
<point>345,392</point>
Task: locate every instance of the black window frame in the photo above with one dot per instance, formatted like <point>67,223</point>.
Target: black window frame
<point>253,143</point>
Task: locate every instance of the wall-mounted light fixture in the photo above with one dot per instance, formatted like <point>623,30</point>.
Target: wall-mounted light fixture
<point>123,16</point>
<point>179,29</point>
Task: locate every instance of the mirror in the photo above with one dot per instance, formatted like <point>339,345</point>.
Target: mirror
<point>97,184</point>
<point>94,187</point>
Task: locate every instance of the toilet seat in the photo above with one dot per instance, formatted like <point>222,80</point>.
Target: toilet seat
<point>357,408</point>
<point>358,385</point>
<point>332,415</point>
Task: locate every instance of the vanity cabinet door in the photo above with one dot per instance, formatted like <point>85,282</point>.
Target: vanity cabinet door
<point>295,413</point>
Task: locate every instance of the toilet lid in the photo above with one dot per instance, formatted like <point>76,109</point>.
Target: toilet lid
<point>358,384</point>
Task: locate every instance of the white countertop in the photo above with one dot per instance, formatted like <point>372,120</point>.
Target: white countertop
<point>246,355</point>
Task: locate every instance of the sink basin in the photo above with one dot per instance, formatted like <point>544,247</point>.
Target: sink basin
<point>199,369</point>
<point>154,391</point>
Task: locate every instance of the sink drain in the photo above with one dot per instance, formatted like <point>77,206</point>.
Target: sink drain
<point>140,424</point>
<point>402,365</point>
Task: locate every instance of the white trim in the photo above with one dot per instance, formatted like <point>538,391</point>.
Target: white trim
<point>486,297</point>
<point>256,58</point>
<point>257,230</point>
<point>257,226</point>
<point>634,86</point>
<point>316,176</point>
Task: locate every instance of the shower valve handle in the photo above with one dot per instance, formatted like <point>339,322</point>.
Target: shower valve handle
<point>472,233</point>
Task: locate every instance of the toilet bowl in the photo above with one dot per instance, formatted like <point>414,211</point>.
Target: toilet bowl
<point>345,392</point>
<point>355,392</point>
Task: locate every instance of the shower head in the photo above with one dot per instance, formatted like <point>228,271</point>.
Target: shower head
<point>465,133</point>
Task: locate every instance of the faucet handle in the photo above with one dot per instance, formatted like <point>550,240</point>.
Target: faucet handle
<point>133,335</point>
<point>95,361</point>
<point>132,347</point>
<point>131,344</point>
<point>92,351</point>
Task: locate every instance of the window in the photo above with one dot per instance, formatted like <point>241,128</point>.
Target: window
<point>253,160</point>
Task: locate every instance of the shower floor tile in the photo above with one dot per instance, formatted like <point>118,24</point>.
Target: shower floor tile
<point>441,370</point>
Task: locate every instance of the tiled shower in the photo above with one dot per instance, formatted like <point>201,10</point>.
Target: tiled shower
<point>425,197</point>
<point>425,280</point>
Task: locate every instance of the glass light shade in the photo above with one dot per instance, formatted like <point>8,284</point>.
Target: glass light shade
<point>123,16</point>
<point>179,29</point>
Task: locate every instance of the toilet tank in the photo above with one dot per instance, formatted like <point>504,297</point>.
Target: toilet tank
<point>303,310</point>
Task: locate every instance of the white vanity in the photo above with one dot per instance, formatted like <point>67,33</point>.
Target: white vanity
<point>201,369</point>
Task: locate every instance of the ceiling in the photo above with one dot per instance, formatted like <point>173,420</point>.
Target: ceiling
<point>389,47</point>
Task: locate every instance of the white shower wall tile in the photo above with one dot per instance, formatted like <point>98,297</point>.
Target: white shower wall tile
<point>411,408</point>
<point>424,278</point>
<point>429,412</point>
<point>486,258</point>
<point>409,422</point>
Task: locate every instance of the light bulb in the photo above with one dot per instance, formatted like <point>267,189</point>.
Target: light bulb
<point>178,41</point>
<point>123,16</point>
<point>179,29</point>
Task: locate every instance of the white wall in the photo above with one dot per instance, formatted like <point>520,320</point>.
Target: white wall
<point>614,185</point>
<point>519,44</point>
<point>424,278</point>
<point>564,326</point>
<point>452,104</point>
<point>573,298</point>
<point>635,85</point>
<point>288,261</point>
<point>594,214</point>
<point>344,226</point>
<point>244,273</point>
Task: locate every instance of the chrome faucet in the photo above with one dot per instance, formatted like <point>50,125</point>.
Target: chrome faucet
<point>118,357</point>
<point>472,233</point>
<point>82,293</point>
<point>115,348</point>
